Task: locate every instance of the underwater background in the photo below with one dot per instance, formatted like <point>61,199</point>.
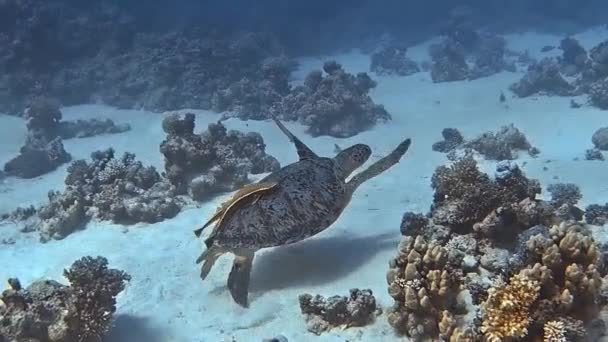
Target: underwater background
<point>401,170</point>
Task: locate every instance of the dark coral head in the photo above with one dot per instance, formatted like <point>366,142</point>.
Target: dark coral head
<point>350,159</point>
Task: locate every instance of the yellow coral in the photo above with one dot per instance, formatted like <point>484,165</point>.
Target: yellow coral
<point>554,331</point>
<point>506,311</point>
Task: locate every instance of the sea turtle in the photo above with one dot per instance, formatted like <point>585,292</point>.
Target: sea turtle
<point>287,206</point>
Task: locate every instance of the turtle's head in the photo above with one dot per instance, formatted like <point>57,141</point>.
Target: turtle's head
<point>350,159</point>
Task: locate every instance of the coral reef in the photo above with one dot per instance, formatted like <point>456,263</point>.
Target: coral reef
<point>46,49</point>
<point>600,139</point>
<point>543,77</point>
<point>452,139</point>
<point>501,145</point>
<point>336,104</point>
<point>43,151</point>
<point>393,60</point>
<point>464,195</point>
<point>489,56</point>
<point>588,73</point>
<point>90,128</point>
<point>412,223</point>
<point>574,56</point>
<point>121,190</point>
<point>598,93</point>
<point>567,266</point>
<point>449,62</point>
<point>252,97</point>
<point>448,278</point>
<point>594,79</point>
<point>34,162</point>
<point>506,312</point>
<point>467,53</point>
<point>322,313</point>
<point>596,214</point>
<point>424,283</point>
<point>49,311</point>
<point>216,161</point>
<point>564,193</point>
<point>198,68</point>
<point>83,55</point>
<point>594,154</point>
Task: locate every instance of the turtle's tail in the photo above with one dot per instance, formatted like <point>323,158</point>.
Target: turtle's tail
<point>209,257</point>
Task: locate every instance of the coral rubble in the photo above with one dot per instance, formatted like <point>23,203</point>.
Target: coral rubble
<point>335,103</point>
<point>49,311</point>
<point>322,313</point>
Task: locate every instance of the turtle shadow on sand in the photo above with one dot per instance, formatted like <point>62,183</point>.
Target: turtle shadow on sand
<point>316,261</point>
<point>129,328</point>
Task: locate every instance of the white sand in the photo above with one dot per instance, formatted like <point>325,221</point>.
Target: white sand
<point>166,301</point>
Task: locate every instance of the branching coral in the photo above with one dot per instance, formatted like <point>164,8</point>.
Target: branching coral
<point>554,331</point>
<point>506,312</point>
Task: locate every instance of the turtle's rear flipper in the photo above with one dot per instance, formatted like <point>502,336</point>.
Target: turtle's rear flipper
<point>209,257</point>
<point>238,280</point>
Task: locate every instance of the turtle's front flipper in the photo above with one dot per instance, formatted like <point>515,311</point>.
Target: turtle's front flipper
<point>303,150</point>
<point>379,166</point>
<point>238,280</point>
